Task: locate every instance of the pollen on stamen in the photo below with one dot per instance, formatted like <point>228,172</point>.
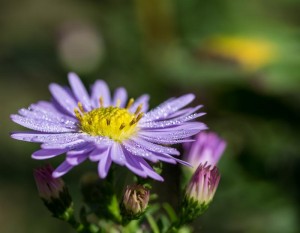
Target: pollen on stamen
<point>118,104</point>
<point>139,108</point>
<point>132,122</point>
<point>80,107</point>
<point>130,102</point>
<point>101,101</point>
<point>77,114</point>
<point>136,120</point>
<point>139,116</point>
<point>122,126</point>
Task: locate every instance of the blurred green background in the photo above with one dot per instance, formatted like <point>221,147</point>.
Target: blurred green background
<point>241,59</point>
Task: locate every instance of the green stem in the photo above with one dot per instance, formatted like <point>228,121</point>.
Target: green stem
<point>79,227</point>
<point>69,217</point>
<point>125,221</point>
<point>177,224</point>
<point>173,227</point>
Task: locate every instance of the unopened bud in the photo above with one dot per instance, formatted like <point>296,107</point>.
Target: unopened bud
<point>135,201</point>
<point>200,191</point>
<point>52,191</point>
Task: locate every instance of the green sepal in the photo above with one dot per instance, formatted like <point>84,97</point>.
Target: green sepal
<point>191,209</point>
<point>58,206</point>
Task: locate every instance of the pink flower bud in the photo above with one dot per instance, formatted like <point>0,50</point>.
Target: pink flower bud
<point>203,184</point>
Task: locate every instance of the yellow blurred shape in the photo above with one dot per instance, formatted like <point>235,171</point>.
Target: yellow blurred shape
<point>250,53</point>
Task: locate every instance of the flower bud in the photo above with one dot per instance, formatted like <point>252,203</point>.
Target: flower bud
<point>203,184</point>
<point>52,191</point>
<point>200,191</point>
<point>135,201</point>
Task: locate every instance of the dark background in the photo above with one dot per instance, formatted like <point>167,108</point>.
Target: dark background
<point>241,59</point>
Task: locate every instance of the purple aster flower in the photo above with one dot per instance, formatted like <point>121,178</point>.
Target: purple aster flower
<point>107,129</point>
<point>207,148</point>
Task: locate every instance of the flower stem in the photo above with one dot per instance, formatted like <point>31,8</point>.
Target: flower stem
<point>69,217</point>
<point>177,224</point>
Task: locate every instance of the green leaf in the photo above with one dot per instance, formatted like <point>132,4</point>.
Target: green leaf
<point>152,223</point>
<point>170,211</point>
<point>114,208</point>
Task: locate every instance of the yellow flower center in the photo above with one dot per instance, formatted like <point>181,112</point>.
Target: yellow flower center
<point>113,122</point>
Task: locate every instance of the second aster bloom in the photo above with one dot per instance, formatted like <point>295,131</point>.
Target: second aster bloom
<point>107,129</point>
<point>208,148</point>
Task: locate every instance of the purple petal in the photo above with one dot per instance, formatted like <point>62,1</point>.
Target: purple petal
<point>149,171</point>
<point>76,160</point>
<point>98,153</point>
<point>140,167</point>
<point>163,158</point>
<point>172,135</point>
<point>138,151</point>
<point>116,154</point>
<point>104,165</point>
<point>219,151</point>
<point>141,100</point>
<point>168,107</point>
<point>63,98</point>
<point>166,140</point>
<point>188,126</point>
<point>155,147</point>
<point>79,91</point>
<point>40,125</point>
<point>120,95</point>
<point>172,122</point>
<point>52,109</point>
<point>100,89</point>
<point>177,160</point>
<point>83,150</point>
<point>98,140</point>
<point>44,137</point>
<point>69,146</point>
<point>34,112</point>
<point>185,111</point>
<point>47,153</point>
<point>62,169</point>
<point>208,147</point>
<point>46,106</point>
<point>133,165</point>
